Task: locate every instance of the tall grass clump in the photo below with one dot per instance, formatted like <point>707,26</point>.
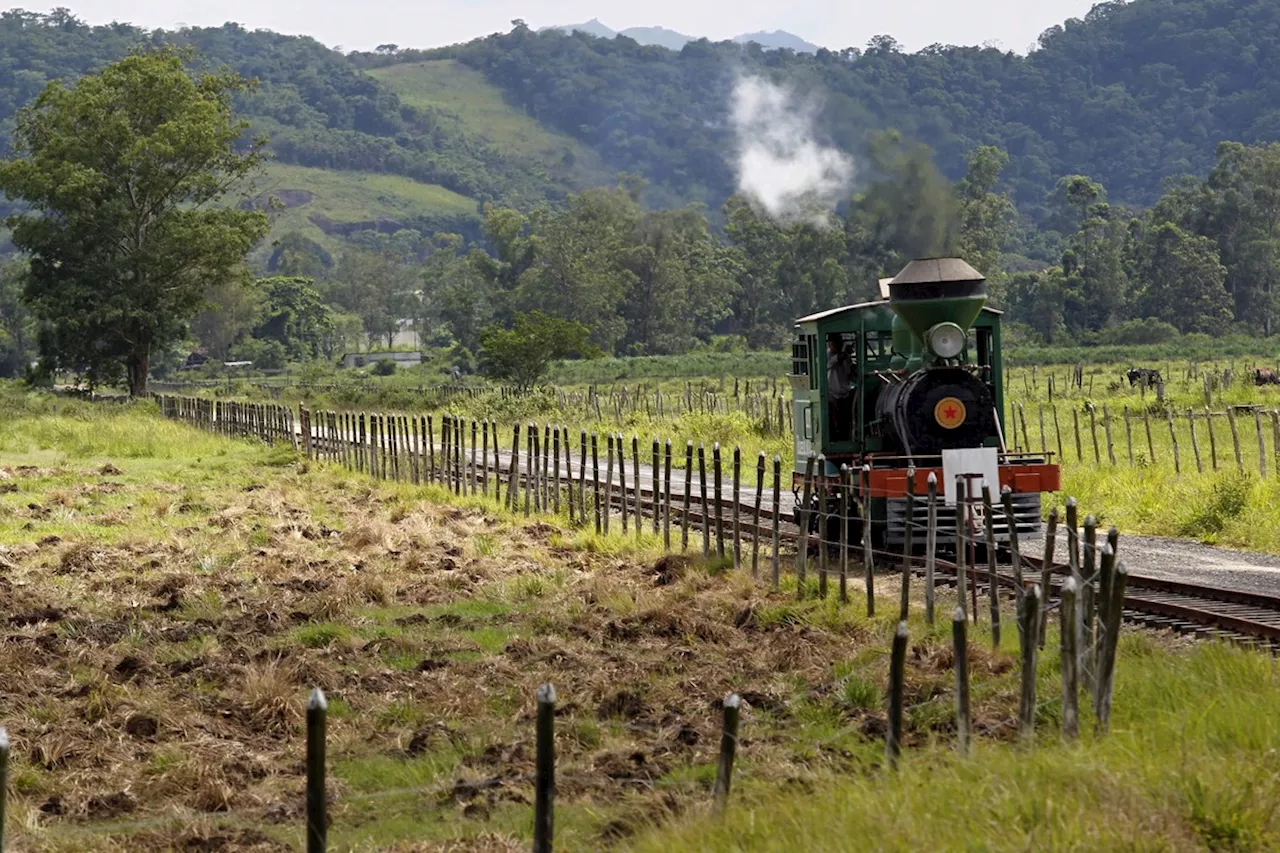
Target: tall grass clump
<point>1189,765</point>
<point>35,422</point>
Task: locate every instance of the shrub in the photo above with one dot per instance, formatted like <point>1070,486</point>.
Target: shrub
<point>384,367</point>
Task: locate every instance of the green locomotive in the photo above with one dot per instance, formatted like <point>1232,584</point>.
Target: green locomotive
<point>912,381</point>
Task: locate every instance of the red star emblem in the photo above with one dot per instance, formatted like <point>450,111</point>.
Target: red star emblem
<point>950,412</point>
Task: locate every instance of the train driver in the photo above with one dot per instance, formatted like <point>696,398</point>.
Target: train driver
<point>839,390</point>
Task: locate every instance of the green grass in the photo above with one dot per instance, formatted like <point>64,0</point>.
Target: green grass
<point>1187,766</point>
<point>1150,489</point>
<point>482,110</point>
<point>347,197</point>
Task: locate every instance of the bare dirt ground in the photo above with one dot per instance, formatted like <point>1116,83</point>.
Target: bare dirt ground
<point>163,622</point>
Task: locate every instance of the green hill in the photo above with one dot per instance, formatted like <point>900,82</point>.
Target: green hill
<point>1131,95</point>
<point>451,88</point>
<point>323,204</point>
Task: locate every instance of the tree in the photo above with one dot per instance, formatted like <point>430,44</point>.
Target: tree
<point>1185,281</point>
<point>124,171</point>
<point>377,287</point>
<point>295,316</point>
<point>986,217</point>
<point>232,309</point>
<point>521,355</point>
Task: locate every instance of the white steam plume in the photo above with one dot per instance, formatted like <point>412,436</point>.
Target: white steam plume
<point>781,167</point>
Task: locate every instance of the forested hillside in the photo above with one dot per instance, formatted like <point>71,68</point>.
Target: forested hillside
<point>465,190</point>
<point>1133,94</point>
<point>318,109</point>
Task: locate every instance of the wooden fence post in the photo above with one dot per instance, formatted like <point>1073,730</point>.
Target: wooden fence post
<point>897,676</point>
<point>622,484</point>
<point>654,472</point>
<point>545,771</point>
<point>1106,428</point>
<point>1075,425</point>
<point>1195,444</point>
<point>706,508</point>
<point>1070,659</point>
<point>715,459</point>
<point>737,508</point>
<point>1030,631</point>
<point>1213,440</point>
<point>1093,433</point>
<point>1057,432</point>
<point>802,516</point>
<point>595,479</point>
<point>1262,443</point>
<point>904,608</point>
<point>1088,600</point>
<point>960,647</point>
<point>666,503</point>
<point>993,576</point>
<point>728,746</point>
<point>755,526</point>
<point>317,820</point>
<point>868,558</point>
<point>1115,613</point>
<point>777,518</point>
<point>930,549</point>
<point>1235,438</point>
<point>688,496</point>
<point>846,483</point>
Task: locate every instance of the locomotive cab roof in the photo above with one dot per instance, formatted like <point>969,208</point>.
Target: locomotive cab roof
<point>863,306</point>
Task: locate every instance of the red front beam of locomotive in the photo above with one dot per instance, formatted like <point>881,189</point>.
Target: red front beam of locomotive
<point>892,482</point>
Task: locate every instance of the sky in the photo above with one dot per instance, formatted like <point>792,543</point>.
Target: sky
<point>1008,24</point>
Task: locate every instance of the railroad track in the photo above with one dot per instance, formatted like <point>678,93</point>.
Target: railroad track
<point>1207,612</point>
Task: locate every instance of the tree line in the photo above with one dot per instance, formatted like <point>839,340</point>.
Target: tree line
<point>134,253</point>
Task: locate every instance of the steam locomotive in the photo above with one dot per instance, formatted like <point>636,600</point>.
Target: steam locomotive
<point>913,380</point>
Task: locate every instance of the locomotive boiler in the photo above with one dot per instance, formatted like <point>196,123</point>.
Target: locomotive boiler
<point>913,380</point>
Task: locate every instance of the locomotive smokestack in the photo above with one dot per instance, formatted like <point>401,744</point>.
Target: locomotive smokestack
<point>939,299</point>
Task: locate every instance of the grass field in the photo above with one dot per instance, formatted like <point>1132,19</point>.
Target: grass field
<point>170,597</point>
<point>346,197</point>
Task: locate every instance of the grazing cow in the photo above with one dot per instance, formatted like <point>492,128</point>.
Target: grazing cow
<point>1265,376</point>
<point>1144,376</point>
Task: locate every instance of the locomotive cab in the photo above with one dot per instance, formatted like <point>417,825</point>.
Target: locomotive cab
<point>909,381</point>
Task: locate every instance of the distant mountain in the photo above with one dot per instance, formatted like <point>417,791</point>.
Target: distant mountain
<point>592,27</point>
<point>672,40</point>
<point>778,39</point>
<point>660,36</point>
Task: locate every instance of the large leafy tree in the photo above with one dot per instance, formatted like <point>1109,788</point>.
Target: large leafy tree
<point>379,288</point>
<point>123,173</point>
<point>521,354</point>
<point>295,316</point>
<point>1185,281</point>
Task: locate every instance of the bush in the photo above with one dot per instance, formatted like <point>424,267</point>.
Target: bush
<point>384,367</point>
<point>1226,502</point>
<point>265,354</point>
<point>1145,331</point>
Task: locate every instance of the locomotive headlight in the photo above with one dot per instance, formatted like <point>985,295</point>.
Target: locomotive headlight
<point>946,340</point>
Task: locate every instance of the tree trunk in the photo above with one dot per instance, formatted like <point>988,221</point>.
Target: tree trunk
<point>137,366</point>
